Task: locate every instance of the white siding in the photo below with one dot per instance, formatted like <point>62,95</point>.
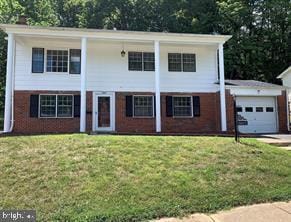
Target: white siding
<point>108,71</point>
<point>287,80</point>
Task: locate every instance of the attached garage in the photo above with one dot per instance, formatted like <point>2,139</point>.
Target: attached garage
<point>260,114</point>
<point>257,106</point>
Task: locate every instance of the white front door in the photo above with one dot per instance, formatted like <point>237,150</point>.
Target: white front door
<point>259,114</point>
<point>104,112</point>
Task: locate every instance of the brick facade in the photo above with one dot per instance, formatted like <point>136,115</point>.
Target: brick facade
<point>282,110</point>
<point>207,122</point>
<point>23,123</point>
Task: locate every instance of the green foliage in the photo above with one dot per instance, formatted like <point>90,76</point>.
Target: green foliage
<point>261,29</point>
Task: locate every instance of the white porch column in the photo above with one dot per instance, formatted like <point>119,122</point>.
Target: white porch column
<point>222,88</point>
<point>83,85</point>
<point>157,86</point>
<point>8,90</point>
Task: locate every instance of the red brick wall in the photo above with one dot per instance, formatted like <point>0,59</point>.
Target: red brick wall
<point>229,100</point>
<point>23,123</point>
<point>207,122</point>
<point>282,110</point>
<point>125,124</point>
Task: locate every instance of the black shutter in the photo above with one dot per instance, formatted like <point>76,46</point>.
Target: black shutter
<point>34,100</point>
<point>128,105</point>
<point>154,105</point>
<point>37,60</point>
<point>196,106</point>
<point>77,101</point>
<point>169,104</point>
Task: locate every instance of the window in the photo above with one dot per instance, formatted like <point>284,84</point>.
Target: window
<point>65,106</point>
<point>259,109</point>
<point>269,109</point>
<point>174,60</point>
<point>249,109</point>
<point>56,106</point>
<point>189,63</point>
<point>37,60</point>
<point>182,106</point>
<point>178,62</point>
<point>143,106</point>
<point>149,61</point>
<point>47,106</point>
<point>75,61</point>
<point>57,61</point>
<point>135,61</point>
<point>238,109</point>
<point>141,61</point>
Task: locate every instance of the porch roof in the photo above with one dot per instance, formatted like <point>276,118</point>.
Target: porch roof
<point>121,35</point>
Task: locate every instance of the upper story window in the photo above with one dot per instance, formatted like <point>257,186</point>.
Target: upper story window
<point>143,106</point>
<point>189,63</point>
<point>56,106</point>
<point>56,61</point>
<point>141,61</point>
<point>178,62</point>
<point>175,62</point>
<point>135,61</point>
<point>182,106</point>
<point>149,61</point>
<point>37,60</point>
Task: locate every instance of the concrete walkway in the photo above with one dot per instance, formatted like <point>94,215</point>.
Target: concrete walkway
<point>281,140</point>
<point>270,212</point>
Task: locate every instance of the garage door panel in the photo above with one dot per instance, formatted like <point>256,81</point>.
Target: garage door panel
<point>258,119</point>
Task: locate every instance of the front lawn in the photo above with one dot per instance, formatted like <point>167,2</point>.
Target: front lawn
<point>133,178</point>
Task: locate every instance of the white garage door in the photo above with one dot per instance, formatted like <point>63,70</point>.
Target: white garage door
<point>257,114</point>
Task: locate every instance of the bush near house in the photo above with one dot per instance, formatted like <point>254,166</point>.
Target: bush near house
<point>132,178</point>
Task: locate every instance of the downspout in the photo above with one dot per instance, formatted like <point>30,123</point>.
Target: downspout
<point>12,88</point>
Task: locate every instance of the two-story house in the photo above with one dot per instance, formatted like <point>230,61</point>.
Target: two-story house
<point>80,80</point>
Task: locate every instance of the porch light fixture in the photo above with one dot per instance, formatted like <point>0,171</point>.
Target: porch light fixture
<point>122,51</point>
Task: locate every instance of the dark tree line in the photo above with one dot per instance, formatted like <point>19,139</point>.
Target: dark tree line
<point>260,48</point>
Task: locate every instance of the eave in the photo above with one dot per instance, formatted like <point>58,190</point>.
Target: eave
<point>77,33</point>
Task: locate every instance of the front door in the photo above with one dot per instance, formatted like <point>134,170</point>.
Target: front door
<point>104,112</point>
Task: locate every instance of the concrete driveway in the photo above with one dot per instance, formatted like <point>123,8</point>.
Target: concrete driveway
<point>280,140</point>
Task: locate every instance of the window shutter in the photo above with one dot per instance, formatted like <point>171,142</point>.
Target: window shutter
<point>169,104</point>
<point>34,100</point>
<point>37,60</point>
<point>128,104</point>
<point>77,102</point>
<point>196,106</point>
<point>154,105</point>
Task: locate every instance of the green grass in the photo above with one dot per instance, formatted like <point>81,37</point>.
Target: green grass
<point>133,178</point>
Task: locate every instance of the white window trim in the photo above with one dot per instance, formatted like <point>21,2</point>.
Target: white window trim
<point>56,113</point>
<point>142,61</point>
<point>45,62</point>
<point>68,60</point>
<point>173,107</point>
<point>182,64</point>
<point>134,106</point>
